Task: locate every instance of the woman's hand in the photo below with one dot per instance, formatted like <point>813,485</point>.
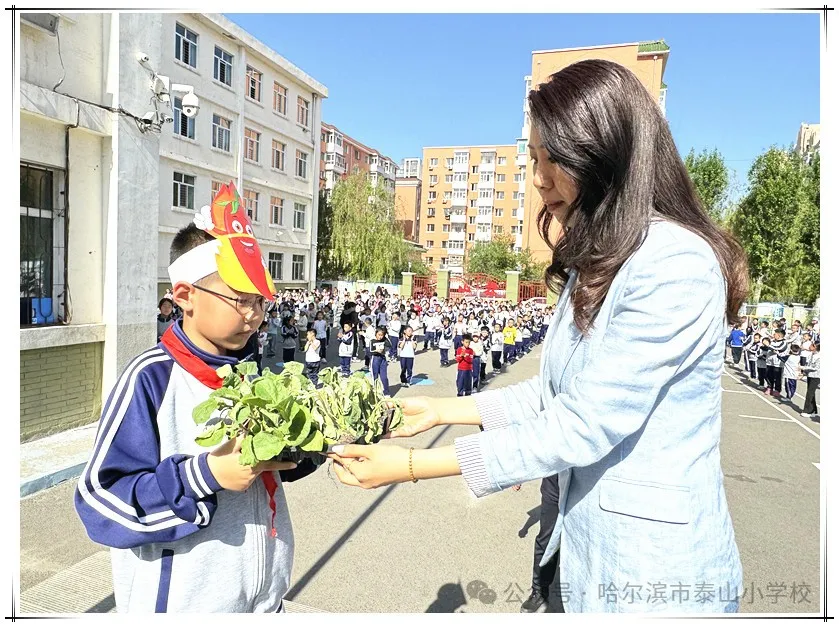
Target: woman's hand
<point>420,414</point>
<point>370,466</point>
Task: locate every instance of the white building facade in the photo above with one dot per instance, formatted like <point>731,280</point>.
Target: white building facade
<point>258,125</point>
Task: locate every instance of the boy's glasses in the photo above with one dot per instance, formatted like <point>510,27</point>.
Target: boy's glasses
<point>244,304</point>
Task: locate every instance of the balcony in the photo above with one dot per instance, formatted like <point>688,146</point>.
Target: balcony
<point>521,160</point>
<point>458,217</point>
<point>457,236</point>
<point>490,184</point>
<point>484,218</point>
<point>518,240</point>
<point>457,201</point>
<point>485,202</point>
<point>461,167</point>
<point>483,237</point>
<point>487,167</point>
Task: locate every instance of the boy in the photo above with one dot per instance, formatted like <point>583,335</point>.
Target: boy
<point>497,348</point>
<point>380,347</point>
<point>526,334</point>
<point>289,334</point>
<point>487,345</point>
<point>345,348</point>
<point>519,352</point>
<point>407,351</point>
<point>509,341</point>
<point>792,370</point>
<point>262,338</point>
<point>762,356</point>
<point>430,321</point>
<point>736,340</point>
<point>166,317</point>
<point>464,356</point>
<point>172,511</point>
<point>477,346</point>
<point>779,351</point>
<point>446,341</point>
<point>312,357</point>
<point>813,370</point>
<point>752,353</point>
<point>394,330</point>
<point>369,335</point>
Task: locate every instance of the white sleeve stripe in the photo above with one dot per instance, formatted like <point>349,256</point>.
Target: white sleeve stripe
<point>201,481</point>
<point>190,476</point>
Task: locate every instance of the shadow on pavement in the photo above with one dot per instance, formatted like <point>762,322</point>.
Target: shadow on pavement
<point>450,598</point>
<point>342,539</point>
<point>532,519</point>
<point>104,606</point>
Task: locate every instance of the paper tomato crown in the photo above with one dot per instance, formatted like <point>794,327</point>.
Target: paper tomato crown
<point>234,253</point>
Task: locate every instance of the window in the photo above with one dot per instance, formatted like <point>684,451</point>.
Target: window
<point>432,212</point>
<point>253,84</point>
<point>500,178</point>
<point>499,213</point>
<point>215,188</point>
<point>485,211</point>
<point>460,177</point>
<point>302,164</point>
<point>499,195</point>
<point>298,263</point>
<point>277,155</point>
<point>487,158</point>
<point>485,193</point>
<point>498,230</point>
<point>447,195</point>
<point>486,177</point>
<point>42,245</point>
<point>184,126</point>
<point>302,111</point>
<point>252,204</point>
<point>223,66</point>
<point>459,194</point>
<point>300,216</point>
<point>221,133</point>
<point>521,147</point>
<point>432,196</point>
<point>186,45</point>
<point>429,228</point>
<point>473,187</point>
<point>444,261</point>
<point>461,158</point>
<point>502,160</point>
<point>430,261</point>
<point>515,195</point>
<point>276,212</point>
<point>449,178</point>
<point>432,163</point>
<point>446,228</point>
<point>449,162</point>
<point>275,266</point>
<point>433,179</point>
<point>474,169</point>
<point>429,243</point>
<point>251,145</point>
<point>517,178</point>
<point>322,135</point>
<point>471,219</point>
<point>357,155</point>
<point>281,99</point>
<point>473,203</point>
<point>471,237</point>
<point>183,190</point>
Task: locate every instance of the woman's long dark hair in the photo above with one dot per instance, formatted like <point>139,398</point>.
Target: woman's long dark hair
<point>600,125</point>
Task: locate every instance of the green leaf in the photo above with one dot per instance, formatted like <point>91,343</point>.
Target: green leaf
<point>211,436</point>
<point>313,443</point>
<point>266,389</point>
<point>204,411</point>
<point>247,368</point>
<point>247,456</point>
<point>226,392</point>
<point>240,413</point>
<point>267,446</point>
<point>294,368</point>
<point>224,371</point>
<point>301,424</point>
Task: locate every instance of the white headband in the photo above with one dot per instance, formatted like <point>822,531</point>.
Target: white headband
<point>195,264</point>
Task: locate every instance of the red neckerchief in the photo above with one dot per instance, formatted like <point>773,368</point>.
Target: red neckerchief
<point>196,366</point>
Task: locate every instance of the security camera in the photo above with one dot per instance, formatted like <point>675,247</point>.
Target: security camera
<point>143,58</point>
<point>190,105</point>
<point>167,119</point>
<point>149,117</point>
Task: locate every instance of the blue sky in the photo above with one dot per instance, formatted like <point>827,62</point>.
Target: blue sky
<point>398,82</point>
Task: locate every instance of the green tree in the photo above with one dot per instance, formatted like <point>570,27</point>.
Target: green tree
<point>358,235</point>
<point>531,270</point>
<point>493,258</point>
<point>710,177</point>
<point>770,223</point>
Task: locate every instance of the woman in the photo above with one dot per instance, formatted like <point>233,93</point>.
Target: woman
<point>626,408</point>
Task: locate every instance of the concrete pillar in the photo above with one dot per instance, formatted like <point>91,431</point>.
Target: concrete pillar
<point>131,229</point>
<point>443,284</point>
<point>407,284</point>
<point>513,286</point>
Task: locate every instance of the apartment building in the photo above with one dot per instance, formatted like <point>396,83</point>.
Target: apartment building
<point>647,60</point>
<point>808,141</point>
<point>469,194</point>
<point>341,155</point>
<point>258,125</point>
<point>408,203</point>
<point>410,168</point>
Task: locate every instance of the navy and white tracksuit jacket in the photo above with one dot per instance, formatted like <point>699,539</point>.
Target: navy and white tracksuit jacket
<point>180,542</point>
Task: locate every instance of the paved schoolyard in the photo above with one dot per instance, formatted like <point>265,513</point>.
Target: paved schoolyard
<point>418,547</point>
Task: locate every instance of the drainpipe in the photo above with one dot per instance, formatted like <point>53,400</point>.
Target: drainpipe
<point>240,106</point>
<point>313,227</point>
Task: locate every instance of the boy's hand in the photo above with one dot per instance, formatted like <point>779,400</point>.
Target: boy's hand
<point>230,474</point>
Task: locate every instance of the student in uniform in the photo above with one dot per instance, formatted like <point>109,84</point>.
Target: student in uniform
<point>407,352</point>
<point>446,341</point>
<point>345,348</point>
<point>313,346</point>
<point>464,356</point>
<point>497,343</point>
<point>380,348</point>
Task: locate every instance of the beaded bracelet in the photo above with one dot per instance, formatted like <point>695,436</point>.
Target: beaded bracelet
<point>411,465</point>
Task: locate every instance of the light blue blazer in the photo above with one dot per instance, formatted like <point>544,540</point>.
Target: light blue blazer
<point>629,417</point>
